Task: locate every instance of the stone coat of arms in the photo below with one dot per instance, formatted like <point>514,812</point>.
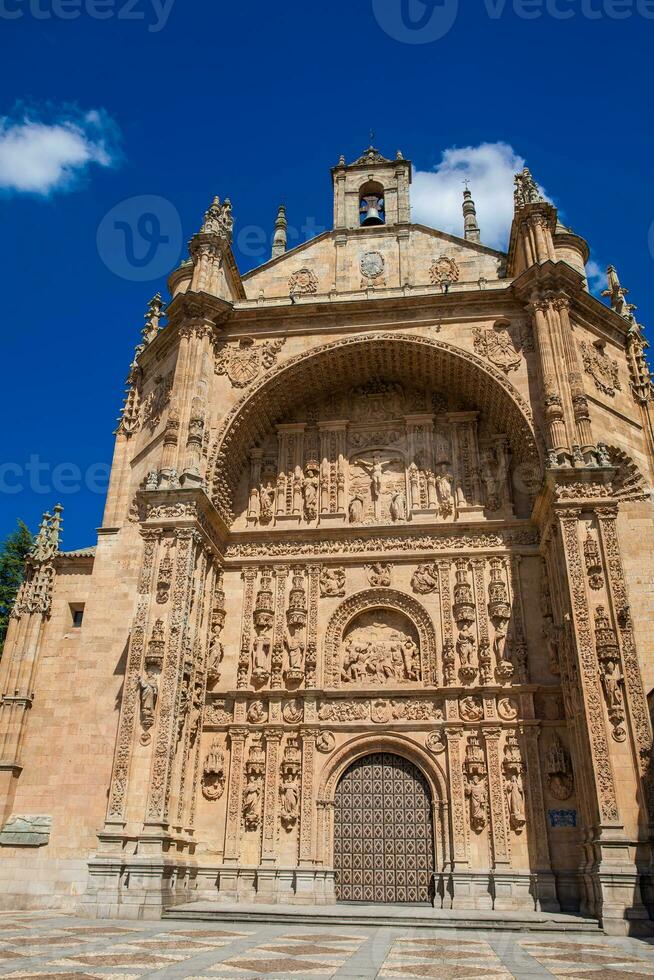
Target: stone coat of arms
<point>303,281</point>
<point>496,345</point>
<point>444,269</point>
<point>372,268</point>
<point>602,369</point>
<point>243,362</point>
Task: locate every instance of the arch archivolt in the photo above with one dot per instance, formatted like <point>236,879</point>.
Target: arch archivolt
<point>408,359</point>
<point>379,599</point>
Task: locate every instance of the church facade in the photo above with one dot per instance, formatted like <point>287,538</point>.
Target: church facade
<point>369,614</point>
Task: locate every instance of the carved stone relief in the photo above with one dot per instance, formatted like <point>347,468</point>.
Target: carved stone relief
<point>244,362</point>
<point>496,345</point>
<point>602,368</point>
<point>332,582</point>
<point>214,772</point>
<point>303,281</point>
<point>380,647</point>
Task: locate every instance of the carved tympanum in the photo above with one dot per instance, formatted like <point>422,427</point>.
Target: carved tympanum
<point>380,647</point>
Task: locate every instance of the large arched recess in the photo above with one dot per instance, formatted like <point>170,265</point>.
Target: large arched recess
<point>409,360</point>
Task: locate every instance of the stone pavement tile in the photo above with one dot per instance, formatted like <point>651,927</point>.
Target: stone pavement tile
<point>138,960</point>
<point>98,930</point>
<point>282,966</point>
<point>208,933</point>
<point>444,958</point>
<point>36,940</point>
<point>444,971</point>
<point>172,944</point>
<point>35,975</point>
<point>322,937</point>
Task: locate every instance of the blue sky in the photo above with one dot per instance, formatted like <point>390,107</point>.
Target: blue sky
<point>256,102</point>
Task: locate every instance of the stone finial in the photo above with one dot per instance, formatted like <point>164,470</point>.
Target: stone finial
<point>46,542</point>
<point>279,237</point>
<point>153,315</point>
<point>618,295</point>
<point>470,226</point>
<point>218,219</point>
<point>526,190</point>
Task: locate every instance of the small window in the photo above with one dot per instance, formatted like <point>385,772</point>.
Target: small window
<point>77,614</point>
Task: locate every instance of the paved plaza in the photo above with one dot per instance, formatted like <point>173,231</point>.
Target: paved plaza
<point>45,946</point>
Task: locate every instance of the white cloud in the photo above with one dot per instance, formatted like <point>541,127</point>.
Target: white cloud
<point>597,280</point>
<point>437,195</point>
<point>40,156</point>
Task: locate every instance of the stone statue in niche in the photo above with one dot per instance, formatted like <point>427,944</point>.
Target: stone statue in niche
<point>356,510</point>
<point>494,479</point>
<point>261,649</point>
<point>465,646</point>
<point>478,795</point>
<point>398,506</point>
<point>380,648</point>
<point>266,502</point>
<point>445,490</point>
<point>251,801</point>
<point>310,490</point>
<point>149,690</point>
<point>295,646</point>
<point>515,796</point>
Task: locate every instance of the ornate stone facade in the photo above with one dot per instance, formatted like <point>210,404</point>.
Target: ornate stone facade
<point>394,540</point>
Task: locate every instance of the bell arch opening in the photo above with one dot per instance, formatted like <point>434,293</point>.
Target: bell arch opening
<point>257,473</point>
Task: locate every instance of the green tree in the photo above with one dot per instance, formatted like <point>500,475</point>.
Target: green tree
<point>12,558</point>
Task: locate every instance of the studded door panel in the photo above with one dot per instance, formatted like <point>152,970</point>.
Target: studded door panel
<point>383,832</point>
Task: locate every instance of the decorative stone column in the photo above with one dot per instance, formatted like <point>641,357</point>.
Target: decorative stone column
<point>461,889</point>
<point>504,886</point>
<point>536,821</point>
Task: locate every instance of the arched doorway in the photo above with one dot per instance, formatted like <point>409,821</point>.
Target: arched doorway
<point>383,831</point>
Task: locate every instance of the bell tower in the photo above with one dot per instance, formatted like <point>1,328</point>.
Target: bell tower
<point>372,191</point>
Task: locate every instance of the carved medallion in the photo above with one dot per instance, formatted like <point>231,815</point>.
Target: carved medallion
<point>435,742</point>
<point>602,368</point>
<point>214,773</point>
<point>332,582</point>
<point>293,711</point>
<point>379,574</point>
<point>443,269</point>
<point>372,267</point>
<point>325,742</point>
<point>507,709</point>
<point>303,281</point>
<point>496,345</point>
<point>425,579</point>
<point>471,709</point>
<point>243,362</point>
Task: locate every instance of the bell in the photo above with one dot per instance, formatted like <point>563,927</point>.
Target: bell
<point>372,216</point>
<point>370,210</point>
